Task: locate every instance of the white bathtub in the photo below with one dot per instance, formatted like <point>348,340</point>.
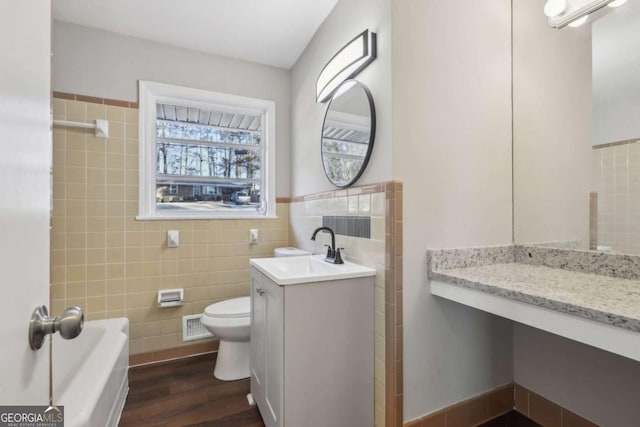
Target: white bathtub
<point>90,373</point>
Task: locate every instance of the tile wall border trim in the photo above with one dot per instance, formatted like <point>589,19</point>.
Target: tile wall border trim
<point>497,402</point>
<point>394,381</point>
<point>617,143</point>
<point>351,191</point>
<point>544,411</point>
<point>471,412</point>
<point>94,100</point>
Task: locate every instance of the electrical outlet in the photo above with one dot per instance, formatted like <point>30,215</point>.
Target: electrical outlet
<point>253,236</point>
<point>173,238</point>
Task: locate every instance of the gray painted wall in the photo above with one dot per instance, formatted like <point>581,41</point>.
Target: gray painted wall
<point>452,150</point>
<point>616,65</point>
<point>103,64</point>
<point>348,19</point>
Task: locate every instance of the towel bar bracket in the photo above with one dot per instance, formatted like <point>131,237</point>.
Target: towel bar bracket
<point>101,126</point>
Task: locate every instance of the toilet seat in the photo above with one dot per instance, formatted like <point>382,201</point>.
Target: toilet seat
<point>229,309</point>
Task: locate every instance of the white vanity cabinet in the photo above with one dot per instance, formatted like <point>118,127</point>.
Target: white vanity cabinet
<point>312,352</point>
<point>267,320</point>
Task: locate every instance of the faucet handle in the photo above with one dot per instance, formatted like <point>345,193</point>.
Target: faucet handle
<point>338,256</point>
<point>329,251</point>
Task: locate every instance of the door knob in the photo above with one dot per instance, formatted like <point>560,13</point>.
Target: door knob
<point>69,324</point>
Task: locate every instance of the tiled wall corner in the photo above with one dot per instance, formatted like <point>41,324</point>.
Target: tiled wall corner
<point>487,406</point>
<point>393,305</point>
<point>618,194</point>
<point>104,260</point>
<point>544,411</point>
<point>382,203</point>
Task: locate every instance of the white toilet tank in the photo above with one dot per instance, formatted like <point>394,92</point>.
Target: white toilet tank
<point>289,251</point>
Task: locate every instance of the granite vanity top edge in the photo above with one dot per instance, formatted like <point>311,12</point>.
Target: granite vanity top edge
<point>446,259</point>
<point>616,320</point>
<point>620,266</point>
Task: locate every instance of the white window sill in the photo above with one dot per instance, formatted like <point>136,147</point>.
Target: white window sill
<point>188,218</point>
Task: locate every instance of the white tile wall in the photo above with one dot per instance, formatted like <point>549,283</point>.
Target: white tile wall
<point>306,216</point>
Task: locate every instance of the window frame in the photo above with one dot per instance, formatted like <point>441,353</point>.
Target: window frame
<point>152,93</point>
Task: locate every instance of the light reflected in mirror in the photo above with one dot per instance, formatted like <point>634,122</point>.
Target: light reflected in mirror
<point>348,133</point>
<point>577,130</point>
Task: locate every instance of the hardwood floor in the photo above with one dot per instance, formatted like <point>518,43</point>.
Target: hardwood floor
<point>185,393</point>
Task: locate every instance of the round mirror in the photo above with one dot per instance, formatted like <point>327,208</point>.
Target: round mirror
<point>347,133</point>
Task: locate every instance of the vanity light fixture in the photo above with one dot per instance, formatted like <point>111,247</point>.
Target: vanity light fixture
<point>578,22</point>
<point>346,64</point>
<point>555,8</point>
<point>343,89</point>
<point>575,12</point>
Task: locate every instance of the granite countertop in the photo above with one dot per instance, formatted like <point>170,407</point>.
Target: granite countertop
<point>599,297</point>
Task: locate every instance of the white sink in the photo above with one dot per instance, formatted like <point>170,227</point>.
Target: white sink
<point>306,269</point>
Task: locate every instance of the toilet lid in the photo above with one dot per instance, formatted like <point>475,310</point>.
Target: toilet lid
<point>236,307</point>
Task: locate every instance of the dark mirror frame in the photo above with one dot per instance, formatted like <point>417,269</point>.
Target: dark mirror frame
<point>372,131</point>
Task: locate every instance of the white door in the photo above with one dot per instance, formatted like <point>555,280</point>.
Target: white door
<point>25,164</point>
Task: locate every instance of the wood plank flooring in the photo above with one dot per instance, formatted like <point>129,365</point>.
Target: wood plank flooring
<point>185,393</point>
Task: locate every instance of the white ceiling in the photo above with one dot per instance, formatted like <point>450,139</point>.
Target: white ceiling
<point>273,32</point>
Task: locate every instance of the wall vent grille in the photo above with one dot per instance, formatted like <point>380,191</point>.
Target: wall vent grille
<point>193,329</point>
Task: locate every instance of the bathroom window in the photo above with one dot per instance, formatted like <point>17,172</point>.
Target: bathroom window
<point>205,154</point>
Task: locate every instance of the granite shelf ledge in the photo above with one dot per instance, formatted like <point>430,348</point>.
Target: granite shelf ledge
<point>570,293</point>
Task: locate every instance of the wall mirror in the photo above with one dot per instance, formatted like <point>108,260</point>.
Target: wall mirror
<point>576,129</point>
<point>348,133</point>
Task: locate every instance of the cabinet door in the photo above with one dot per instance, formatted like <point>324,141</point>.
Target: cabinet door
<point>258,334</point>
<point>267,360</point>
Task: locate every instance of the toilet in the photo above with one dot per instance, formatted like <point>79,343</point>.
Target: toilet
<point>230,321</point>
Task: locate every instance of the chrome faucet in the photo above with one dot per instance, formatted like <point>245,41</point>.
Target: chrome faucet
<point>333,253</point>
